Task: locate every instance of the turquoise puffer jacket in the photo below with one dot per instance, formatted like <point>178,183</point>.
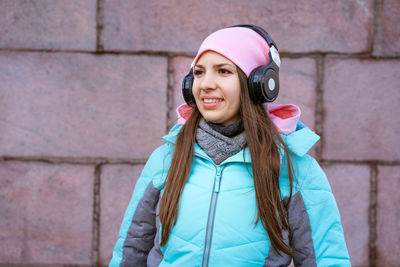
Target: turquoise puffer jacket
<point>217,213</point>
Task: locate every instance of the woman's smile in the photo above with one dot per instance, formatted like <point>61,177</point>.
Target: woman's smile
<point>210,102</point>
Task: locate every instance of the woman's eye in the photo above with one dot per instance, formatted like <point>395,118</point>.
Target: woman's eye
<point>224,71</point>
<point>198,72</point>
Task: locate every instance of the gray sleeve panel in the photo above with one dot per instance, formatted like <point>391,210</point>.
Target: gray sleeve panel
<point>155,256</point>
<point>301,236</point>
<point>140,236</point>
<point>276,260</point>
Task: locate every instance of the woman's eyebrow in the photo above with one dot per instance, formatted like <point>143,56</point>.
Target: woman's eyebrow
<point>224,64</point>
<point>216,65</point>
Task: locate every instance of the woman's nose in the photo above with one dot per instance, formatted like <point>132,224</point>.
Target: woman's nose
<point>208,82</point>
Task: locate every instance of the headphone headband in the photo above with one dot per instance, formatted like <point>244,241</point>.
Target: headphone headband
<point>260,31</point>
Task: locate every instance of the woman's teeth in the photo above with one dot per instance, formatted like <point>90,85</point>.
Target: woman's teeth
<point>211,100</point>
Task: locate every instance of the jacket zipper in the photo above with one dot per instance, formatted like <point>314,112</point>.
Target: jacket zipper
<point>211,211</point>
<point>211,216</point>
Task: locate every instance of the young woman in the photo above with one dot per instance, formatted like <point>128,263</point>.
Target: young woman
<point>233,185</point>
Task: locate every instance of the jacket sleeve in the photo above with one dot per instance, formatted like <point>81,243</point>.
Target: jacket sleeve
<point>138,228</point>
<point>316,231</point>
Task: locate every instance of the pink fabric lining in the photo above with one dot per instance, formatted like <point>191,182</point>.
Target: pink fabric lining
<point>285,117</point>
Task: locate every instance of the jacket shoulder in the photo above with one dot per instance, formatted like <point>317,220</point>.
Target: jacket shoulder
<point>310,175</point>
<point>157,165</point>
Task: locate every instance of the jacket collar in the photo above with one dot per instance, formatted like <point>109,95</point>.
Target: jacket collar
<point>301,140</point>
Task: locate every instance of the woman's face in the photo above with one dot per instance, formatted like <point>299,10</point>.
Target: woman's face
<point>216,88</point>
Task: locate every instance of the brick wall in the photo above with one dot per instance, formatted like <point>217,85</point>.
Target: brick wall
<point>87,88</point>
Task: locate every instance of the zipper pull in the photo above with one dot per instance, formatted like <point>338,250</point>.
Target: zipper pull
<point>217,180</point>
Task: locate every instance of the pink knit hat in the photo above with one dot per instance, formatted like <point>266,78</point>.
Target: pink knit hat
<point>243,46</point>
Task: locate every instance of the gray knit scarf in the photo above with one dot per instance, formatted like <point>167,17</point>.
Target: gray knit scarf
<point>220,142</point>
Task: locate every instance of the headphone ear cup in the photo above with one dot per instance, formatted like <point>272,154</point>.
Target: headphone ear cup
<point>263,83</point>
<point>187,85</point>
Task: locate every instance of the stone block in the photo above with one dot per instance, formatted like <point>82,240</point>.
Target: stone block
<point>41,24</point>
<point>46,213</point>
<point>361,99</point>
<point>81,105</point>
<point>298,85</point>
<point>117,184</point>
<point>180,26</point>
<point>390,29</point>
<point>388,216</point>
<point>181,66</point>
<point>351,187</point>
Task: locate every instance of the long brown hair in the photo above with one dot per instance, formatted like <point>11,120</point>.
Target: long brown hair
<point>263,141</point>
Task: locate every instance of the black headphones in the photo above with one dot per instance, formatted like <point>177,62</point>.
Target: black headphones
<point>263,81</point>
